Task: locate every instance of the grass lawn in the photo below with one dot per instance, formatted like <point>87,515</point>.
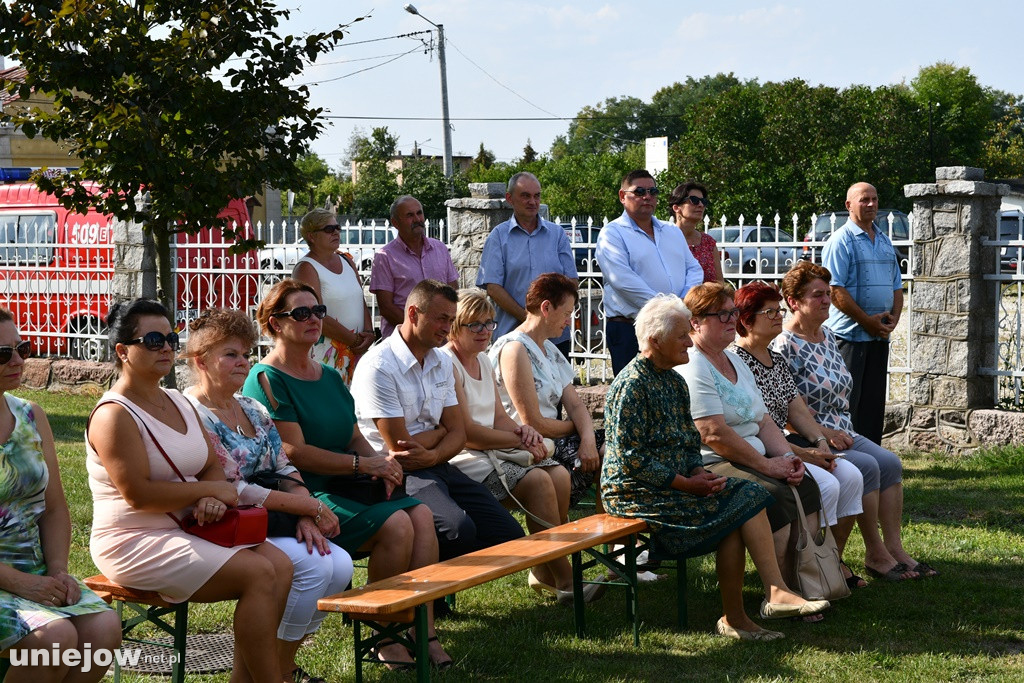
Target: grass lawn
<point>967,519</point>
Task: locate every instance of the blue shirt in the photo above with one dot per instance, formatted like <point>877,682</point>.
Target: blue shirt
<point>513,258</point>
<point>636,268</point>
<point>868,269</point>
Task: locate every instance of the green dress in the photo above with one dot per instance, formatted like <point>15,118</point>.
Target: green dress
<point>325,412</point>
<point>23,480</point>
<point>650,439</point>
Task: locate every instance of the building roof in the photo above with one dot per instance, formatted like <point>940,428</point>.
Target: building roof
<point>15,73</point>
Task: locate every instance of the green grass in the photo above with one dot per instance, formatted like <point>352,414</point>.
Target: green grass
<point>966,518</point>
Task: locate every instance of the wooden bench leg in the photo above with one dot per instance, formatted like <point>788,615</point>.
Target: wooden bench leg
<point>625,570</point>
<point>681,582</point>
<point>396,631</point>
<point>151,614</point>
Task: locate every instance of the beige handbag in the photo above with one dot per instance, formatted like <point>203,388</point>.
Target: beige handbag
<point>819,574</point>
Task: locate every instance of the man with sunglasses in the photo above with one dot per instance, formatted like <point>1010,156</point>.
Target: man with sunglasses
<point>867,300</point>
<point>519,250</point>
<point>406,261</point>
<point>404,389</point>
<point>640,256</point>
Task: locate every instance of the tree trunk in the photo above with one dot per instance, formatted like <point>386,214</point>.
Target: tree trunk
<point>165,290</point>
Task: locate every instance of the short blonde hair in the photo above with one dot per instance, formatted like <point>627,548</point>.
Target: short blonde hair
<point>656,317</point>
<point>472,302</point>
<point>314,220</point>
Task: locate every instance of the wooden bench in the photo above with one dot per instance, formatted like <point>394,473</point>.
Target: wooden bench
<point>146,607</point>
<point>391,604</point>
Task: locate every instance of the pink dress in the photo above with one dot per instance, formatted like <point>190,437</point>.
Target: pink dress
<point>147,550</point>
<point>705,255</point>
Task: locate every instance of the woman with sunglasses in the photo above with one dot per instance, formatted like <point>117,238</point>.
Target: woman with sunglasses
<point>347,328</point>
<point>253,457</point>
<point>150,463</point>
<point>737,433</point>
<point>689,203</point>
<point>41,606</point>
<point>841,483</point>
<point>510,459</point>
<point>315,416</point>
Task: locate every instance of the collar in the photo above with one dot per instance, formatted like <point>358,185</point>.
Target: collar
<point>427,246</point>
<point>656,224</point>
<point>404,356</point>
<point>541,225</point>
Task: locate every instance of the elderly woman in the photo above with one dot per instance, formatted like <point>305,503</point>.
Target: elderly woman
<point>739,437</point>
<point>347,327</point>
<point>315,415</point>
<point>43,607</point>
<point>253,458</point>
<point>810,351</point>
<point>534,378</point>
<point>656,475</point>
<point>150,463</point>
<point>689,202</point>
<point>840,482</point>
<point>510,459</point>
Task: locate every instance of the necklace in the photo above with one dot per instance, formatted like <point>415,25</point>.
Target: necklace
<point>231,409</point>
<point>159,406</point>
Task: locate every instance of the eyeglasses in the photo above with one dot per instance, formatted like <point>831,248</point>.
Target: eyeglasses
<point>479,327</point>
<point>302,313</point>
<point>773,313</point>
<point>723,316</point>
<point>697,201</point>
<point>644,191</point>
<point>154,341</point>
<point>24,350</point>
<point>333,227</point>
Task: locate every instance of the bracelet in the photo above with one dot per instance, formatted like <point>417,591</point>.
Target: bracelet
<point>820,439</point>
<point>355,463</point>
<point>319,510</point>
<point>789,454</point>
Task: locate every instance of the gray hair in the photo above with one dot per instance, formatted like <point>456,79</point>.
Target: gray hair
<point>517,177</point>
<point>314,220</point>
<point>398,202</point>
<point>656,318</point>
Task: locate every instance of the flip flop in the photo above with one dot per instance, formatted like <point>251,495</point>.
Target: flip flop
<point>894,574</point>
<point>853,582</point>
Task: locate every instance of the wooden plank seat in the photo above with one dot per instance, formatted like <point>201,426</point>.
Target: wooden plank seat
<point>391,604</point>
<point>146,607</point>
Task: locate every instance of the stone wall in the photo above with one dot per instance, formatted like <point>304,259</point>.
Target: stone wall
<point>470,221</point>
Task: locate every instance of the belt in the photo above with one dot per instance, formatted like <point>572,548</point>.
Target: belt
<point>621,319</point>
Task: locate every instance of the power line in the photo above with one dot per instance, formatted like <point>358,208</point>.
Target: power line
<point>359,71</point>
<point>509,118</point>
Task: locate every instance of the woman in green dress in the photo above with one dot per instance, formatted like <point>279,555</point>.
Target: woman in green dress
<point>315,415</point>
<point>657,475</point>
<point>42,607</point>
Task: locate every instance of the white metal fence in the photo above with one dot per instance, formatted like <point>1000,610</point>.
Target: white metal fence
<point>1006,273</point>
<point>60,294</point>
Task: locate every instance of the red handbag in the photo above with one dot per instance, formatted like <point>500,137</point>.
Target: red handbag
<point>243,525</point>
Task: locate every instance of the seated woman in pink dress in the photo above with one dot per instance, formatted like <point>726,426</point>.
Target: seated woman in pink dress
<point>150,463</point>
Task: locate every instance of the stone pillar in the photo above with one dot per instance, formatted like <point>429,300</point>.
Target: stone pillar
<point>952,310</point>
<point>134,259</point>
<point>470,221</point>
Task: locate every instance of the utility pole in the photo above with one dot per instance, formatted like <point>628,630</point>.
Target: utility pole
<point>448,165</point>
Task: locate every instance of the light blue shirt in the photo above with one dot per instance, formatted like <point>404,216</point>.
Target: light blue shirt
<point>868,269</point>
<point>513,258</point>
<point>636,268</point>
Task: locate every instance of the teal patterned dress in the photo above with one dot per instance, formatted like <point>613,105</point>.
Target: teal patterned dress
<point>23,480</point>
<point>650,439</point>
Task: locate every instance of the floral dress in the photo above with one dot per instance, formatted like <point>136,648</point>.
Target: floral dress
<point>704,252</point>
<point>640,464</point>
<point>23,480</point>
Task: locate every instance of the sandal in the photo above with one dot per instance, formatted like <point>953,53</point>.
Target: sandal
<point>925,570</point>
<point>439,665</point>
<point>895,574</point>
<point>300,676</point>
<point>391,664</point>
<point>853,582</point>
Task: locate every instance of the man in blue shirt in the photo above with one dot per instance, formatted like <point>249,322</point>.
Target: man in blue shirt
<point>519,250</point>
<point>867,300</point>
<point>640,257</point>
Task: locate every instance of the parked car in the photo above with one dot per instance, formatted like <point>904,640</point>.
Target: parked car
<point>583,239</point>
<point>739,246</point>
<point>1011,227</point>
<point>827,222</point>
<point>363,242</point>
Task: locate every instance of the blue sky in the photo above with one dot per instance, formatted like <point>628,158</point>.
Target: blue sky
<point>561,56</point>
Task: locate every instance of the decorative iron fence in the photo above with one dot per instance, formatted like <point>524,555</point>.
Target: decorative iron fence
<point>1005,272</point>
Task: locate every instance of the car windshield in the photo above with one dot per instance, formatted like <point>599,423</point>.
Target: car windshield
<point>725,234</point>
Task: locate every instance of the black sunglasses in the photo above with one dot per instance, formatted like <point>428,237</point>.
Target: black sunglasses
<point>24,350</point>
<point>696,201</point>
<point>478,327</point>
<point>333,227</point>
<point>302,313</point>
<point>154,341</point>
<point>644,191</point>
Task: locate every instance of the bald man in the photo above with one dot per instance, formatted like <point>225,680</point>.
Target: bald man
<point>867,300</point>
